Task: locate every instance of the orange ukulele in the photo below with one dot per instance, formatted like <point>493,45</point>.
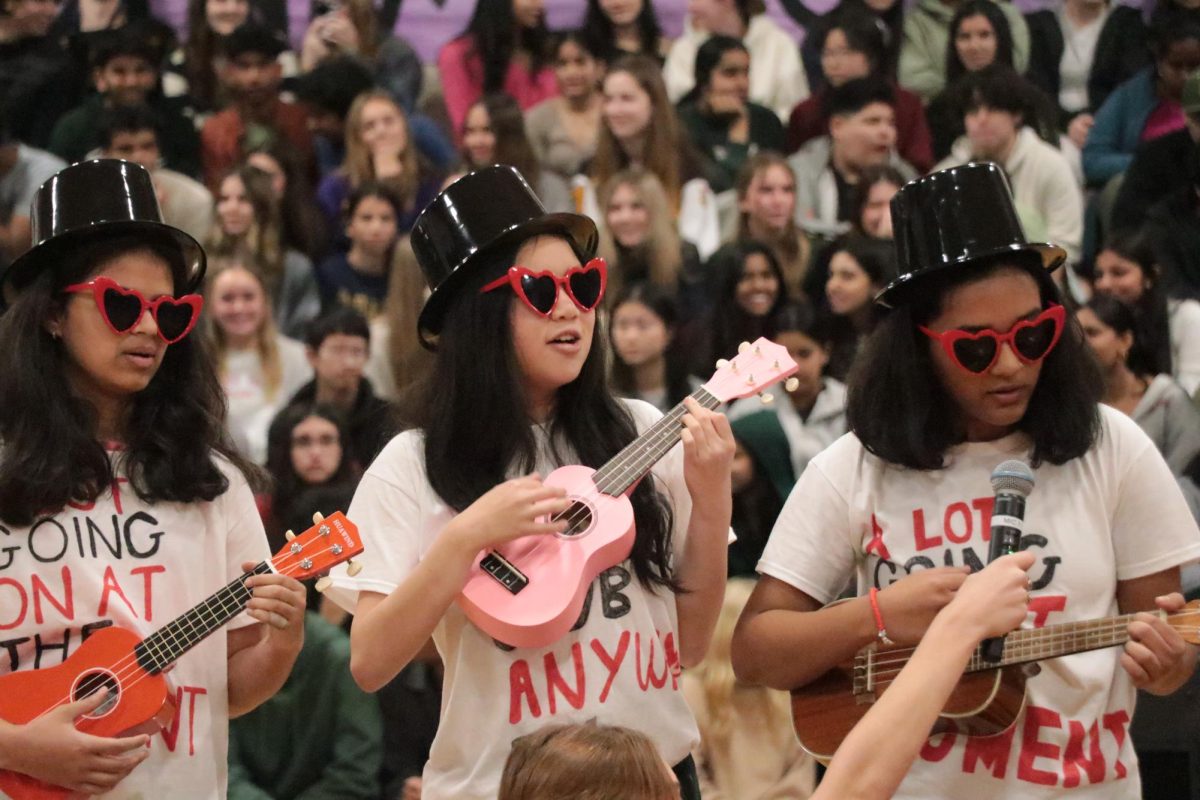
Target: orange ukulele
<point>989,696</point>
<point>131,667</point>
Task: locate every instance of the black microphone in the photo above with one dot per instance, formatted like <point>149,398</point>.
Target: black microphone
<point>1012,481</point>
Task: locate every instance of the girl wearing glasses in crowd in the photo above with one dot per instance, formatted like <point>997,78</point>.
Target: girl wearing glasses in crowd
<point>518,388</point>
<point>113,419</point>
<point>975,364</point>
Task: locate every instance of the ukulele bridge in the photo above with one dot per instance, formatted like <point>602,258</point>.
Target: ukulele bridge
<point>503,571</point>
<point>864,677</point>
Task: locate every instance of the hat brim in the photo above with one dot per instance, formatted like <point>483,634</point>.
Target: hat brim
<point>43,256</point>
<point>579,229</point>
<point>902,289</point>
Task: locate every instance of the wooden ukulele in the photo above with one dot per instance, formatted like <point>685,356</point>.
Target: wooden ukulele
<point>989,696</point>
<point>131,668</point>
<point>529,592</point>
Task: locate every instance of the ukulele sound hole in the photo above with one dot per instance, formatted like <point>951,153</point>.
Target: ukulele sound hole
<point>579,517</point>
<point>91,682</point>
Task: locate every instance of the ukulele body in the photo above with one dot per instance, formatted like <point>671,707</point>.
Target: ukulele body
<point>984,703</point>
<point>559,568</point>
<point>139,702</point>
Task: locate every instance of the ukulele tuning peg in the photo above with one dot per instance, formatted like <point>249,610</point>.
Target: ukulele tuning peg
<point>317,517</point>
<point>722,363</point>
<point>749,380</point>
<point>323,583</point>
<point>766,399</point>
<point>289,536</point>
<point>353,568</point>
<point>791,384</point>
<point>743,347</point>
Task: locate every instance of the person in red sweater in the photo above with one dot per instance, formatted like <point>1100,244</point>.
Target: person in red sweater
<point>852,46</point>
<point>257,117</point>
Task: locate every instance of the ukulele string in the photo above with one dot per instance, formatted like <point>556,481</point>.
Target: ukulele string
<point>1050,639</point>
<point>579,510</point>
<point>123,669</point>
<point>641,459</point>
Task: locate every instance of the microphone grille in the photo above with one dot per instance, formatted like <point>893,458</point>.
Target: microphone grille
<point>1014,477</point>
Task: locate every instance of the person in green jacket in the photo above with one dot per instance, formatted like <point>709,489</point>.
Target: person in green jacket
<point>927,34</point>
<point>125,72</point>
<point>319,738</point>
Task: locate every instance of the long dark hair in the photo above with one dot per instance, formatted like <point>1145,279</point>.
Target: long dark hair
<point>1153,333</point>
<point>600,36</point>
<point>1122,318</point>
<point>477,430</point>
<point>496,36</point>
<point>1000,29</point>
<point>287,485</point>
<point>708,56</point>
<point>51,455</point>
<point>664,306</point>
<point>507,122</point>
<point>729,325</point>
<point>900,412</point>
<point>893,29</point>
<point>877,259</point>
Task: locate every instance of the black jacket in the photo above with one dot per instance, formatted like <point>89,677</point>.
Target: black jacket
<point>1173,228</point>
<point>1121,51</point>
<point>1160,167</point>
<point>372,421</point>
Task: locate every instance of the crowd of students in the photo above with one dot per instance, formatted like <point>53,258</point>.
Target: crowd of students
<point>741,184</point>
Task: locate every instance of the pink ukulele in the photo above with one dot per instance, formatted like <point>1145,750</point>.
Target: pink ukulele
<point>529,592</point>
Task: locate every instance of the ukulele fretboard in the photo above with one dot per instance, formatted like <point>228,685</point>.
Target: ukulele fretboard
<point>1053,641</point>
<point>628,466</point>
<point>163,647</point>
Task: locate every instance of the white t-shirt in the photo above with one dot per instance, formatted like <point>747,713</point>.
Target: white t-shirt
<point>620,667</point>
<point>251,408</point>
<point>1114,514</point>
<point>139,566</point>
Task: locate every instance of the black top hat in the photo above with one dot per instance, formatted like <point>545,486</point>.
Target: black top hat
<point>90,200</point>
<point>955,218</point>
<point>473,216</point>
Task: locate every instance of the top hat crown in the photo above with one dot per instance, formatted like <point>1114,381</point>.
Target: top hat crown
<point>86,201</point>
<point>468,220</point>
<point>954,218</point>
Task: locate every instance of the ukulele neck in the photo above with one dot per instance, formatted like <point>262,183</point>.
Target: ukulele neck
<point>628,467</point>
<point>1053,641</point>
<point>163,648</point>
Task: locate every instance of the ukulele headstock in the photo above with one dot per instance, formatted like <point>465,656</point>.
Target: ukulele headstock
<point>757,365</point>
<point>330,541</point>
<point>1186,622</point>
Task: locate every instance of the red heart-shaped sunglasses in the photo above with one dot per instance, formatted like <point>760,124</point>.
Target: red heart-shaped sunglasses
<point>584,285</point>
<point>978,351</point>
<point>122,309</point>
